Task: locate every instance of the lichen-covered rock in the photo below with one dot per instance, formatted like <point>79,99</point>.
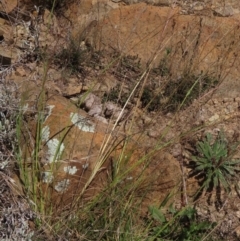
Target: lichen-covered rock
<point>73,145</point>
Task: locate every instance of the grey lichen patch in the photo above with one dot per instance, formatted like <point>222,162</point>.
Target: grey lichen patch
<point>62,186</point>
<point>47,177</point>
<point>45,133</point>
<point>70,170</point>
<point>85,166</point>
<point>55,149</point>
<point>49,108</point>
<point>82,123</point>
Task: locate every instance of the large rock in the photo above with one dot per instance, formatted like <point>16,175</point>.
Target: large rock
<point>7,6</point>
<point>223,8</point>
<point>187,43</point>
<point>77,153</point>
<point>10,54</point>
<point>85,15</point>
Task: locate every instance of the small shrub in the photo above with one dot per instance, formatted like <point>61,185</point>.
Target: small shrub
<point>167,94</point>
<point>163,68</point>
<point>116,95</point>
<point>53,4</point>
<point>190,86</point>
<point>149,100</point>
<point>74,56</point>
<point>127,69</point>
<point>214,161</point>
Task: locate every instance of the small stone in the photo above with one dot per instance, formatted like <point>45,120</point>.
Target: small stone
<point>226,100</point>
<point>237,231</point>
<point>83,46</point>
<point>198,7</point>
<point>89,100</point>
<point>237,99</point>
<point>74,100</point>
<point>213,217</point>
<point>153,133</point>
<point>214,118</point>
<point>109,108</point>
<point>229,109</point>
<point>95,110</point>
<point>20,71</point>
<point>201,211</point>
<point>220,215</point>
<point>215,101</point>
<point>225,11</point>
<point>113,111</point>
<point>101,118</point>
<point>176,150</point>
<point>237,214</point>
<point>73,89</point>
<point>147,120</point>
<point>187,155</point>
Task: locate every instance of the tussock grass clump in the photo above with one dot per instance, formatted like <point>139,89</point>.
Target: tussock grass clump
<point>52,5</point>
<point>175,93</point>
<point>74,56</point>
<point>78,57</point>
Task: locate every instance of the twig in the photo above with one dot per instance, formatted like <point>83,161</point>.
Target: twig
<point>184,189</point>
